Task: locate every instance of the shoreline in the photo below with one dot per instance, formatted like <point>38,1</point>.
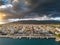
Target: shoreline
<point>14,36</point>
<point>30,37</point>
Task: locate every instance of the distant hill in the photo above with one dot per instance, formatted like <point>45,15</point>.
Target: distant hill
<point>38,22</point>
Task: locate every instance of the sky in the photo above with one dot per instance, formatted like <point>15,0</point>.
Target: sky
<point>41,7</point>
<point>31,9</point>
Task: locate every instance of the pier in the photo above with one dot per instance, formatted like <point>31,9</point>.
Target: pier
<point>19,37</point>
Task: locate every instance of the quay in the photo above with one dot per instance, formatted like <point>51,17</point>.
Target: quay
<point>19,37</point>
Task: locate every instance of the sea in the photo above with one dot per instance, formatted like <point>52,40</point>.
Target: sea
<point>9,41</point>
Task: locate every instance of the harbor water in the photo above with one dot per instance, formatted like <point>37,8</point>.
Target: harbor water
<point>9,41</point>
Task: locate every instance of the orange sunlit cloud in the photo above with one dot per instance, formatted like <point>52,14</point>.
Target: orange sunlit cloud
<point>2,16</point>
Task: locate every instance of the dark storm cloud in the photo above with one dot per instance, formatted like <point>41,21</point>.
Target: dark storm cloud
<point>48,7</point>
<point>41,7</point>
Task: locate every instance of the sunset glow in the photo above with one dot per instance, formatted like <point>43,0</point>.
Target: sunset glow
<point>2,16</point>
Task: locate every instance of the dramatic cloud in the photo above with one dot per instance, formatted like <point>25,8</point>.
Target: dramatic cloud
<point>26,8</point>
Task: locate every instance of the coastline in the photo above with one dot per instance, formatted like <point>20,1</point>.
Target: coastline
<point>28,37</point>
<point>11,36</point>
